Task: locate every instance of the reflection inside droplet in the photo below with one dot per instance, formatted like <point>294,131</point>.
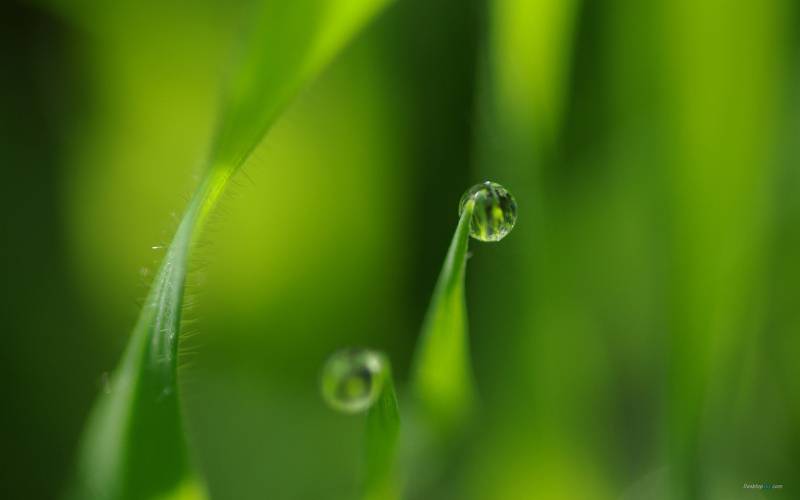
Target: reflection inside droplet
<point>494,213</point>
<point>352,379</point>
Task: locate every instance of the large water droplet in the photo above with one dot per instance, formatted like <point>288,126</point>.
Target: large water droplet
<point>494,214</point>
<point>352,379</point>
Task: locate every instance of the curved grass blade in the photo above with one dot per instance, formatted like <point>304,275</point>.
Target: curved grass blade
<point>134,445</point>
<point>383,427</point>
<point>442,374</point>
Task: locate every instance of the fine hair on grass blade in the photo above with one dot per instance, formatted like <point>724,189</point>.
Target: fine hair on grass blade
<point>134,445</point>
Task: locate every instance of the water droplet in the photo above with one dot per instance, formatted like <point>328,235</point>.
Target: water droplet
<point>352,379</point>
<point>494,214</point>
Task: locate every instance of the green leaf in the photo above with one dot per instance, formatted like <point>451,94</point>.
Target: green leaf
<point>134,444</point>
<point>442,374</point>
<point>383,427</point>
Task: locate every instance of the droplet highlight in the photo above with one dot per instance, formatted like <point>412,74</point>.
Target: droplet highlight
<point>352,379</point>
<point>494,213</point>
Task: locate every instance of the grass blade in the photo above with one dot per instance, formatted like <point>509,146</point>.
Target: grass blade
<point>383,428</point>
<point>134,445</point>
<point>442,375</point>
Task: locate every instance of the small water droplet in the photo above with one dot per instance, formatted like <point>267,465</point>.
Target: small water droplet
<point>157,247</point>
<point>352,379</point>
<point>495,211</point>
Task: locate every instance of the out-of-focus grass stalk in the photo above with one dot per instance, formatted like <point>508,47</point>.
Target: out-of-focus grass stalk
<point>529,58</point>
<point>721,81</point>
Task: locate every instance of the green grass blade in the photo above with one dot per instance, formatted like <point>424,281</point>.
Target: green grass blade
<point>134,445</point>
<point>383,428</point>
<point>284,58</point>
<point>442,375</point>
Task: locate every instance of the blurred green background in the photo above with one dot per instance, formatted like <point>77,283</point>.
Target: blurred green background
<point>636,336</point>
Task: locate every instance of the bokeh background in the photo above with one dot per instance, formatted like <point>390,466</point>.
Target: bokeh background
<point>636,336</point>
